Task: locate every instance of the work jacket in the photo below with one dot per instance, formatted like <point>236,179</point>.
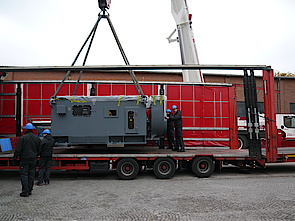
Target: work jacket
<point>177,119</point>
<point>47,146</point>
<point>28,147</point>
<point>169,122</point>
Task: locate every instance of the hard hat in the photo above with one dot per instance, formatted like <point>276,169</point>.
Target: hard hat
<point>29,126</point>
<point>168,110</point>
<point>174,107</point>
<point>46,131</point>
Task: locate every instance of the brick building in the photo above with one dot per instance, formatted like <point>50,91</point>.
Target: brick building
<point>284,86</point>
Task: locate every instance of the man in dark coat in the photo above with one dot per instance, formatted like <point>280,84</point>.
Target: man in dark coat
<point>27,149</point>
<point>170,130</point>
<point>45,158</point>
<point>177,120</point>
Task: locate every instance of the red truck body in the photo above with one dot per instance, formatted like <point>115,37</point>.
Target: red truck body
<point>208,110</point>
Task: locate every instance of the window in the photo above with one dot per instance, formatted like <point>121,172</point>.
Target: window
<point>292,108</point>
<point>242,109</point>
<point>82,110</point>
<point>130,119</point>
<point>112,113</point>
<point>289,121</point>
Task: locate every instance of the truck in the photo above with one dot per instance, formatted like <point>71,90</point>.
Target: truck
<point>202,160</point>
<point>284,122</point>
<point>209,117</point>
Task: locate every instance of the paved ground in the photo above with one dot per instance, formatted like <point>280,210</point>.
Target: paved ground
<point>230,195</point>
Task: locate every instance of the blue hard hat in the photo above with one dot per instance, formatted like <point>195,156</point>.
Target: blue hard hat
<point>174,107</point>
<point>168,110</point>
<point>29,126</point>
<point>46,131</point>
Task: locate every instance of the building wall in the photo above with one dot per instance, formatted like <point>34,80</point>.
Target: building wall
<point>103,76</point>
<point>286,96</point>
<point>284,87</point>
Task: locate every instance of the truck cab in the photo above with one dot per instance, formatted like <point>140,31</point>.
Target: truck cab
<point>286,122</point>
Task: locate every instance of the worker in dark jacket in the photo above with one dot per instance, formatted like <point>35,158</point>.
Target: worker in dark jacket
<point>45,158</point>
<point>170,130</point>
<point>27,150</point>
<point>177,120</point>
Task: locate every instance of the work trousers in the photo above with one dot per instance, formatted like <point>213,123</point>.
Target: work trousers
<point>179,145</point>
<point>27,174</point>
<point>44,169</point>
<point>170,137</point>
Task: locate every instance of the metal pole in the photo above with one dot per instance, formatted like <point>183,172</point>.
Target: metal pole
<point>18,110</point>
<point>252,114</point>
<point>279,95</point>
<point>270,116</point>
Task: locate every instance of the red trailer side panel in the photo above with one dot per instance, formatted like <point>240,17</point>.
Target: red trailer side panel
<point>208,111</point>
<point>7,109</point>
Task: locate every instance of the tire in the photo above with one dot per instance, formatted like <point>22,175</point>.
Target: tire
<point>127,169</point>
<point>164,168</point>
<point>203,167</point>
<point>243,142</point>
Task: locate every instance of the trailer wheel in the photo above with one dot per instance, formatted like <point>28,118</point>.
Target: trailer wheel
<point>164,168</point>
<point>243,142</point>
<point>203,167</point>
<point>127,169</point>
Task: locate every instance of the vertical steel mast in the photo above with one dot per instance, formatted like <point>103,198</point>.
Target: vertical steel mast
<point>186,40</point>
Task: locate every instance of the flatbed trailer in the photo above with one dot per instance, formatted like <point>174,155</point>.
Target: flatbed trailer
<point>202,160</point>
<point>164,162</point>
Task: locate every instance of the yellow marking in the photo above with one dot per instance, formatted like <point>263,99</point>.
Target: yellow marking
<point>119,101</point>
<point>76,101</point>
<point>138,100</point>
<point>154,100</point>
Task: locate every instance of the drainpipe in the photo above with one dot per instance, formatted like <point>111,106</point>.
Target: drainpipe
<point>279,96</point>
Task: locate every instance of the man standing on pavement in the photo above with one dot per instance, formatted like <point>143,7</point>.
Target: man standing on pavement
<point>27,150</point>
<point>170,130</point>
<point>45,158</point>
<point>177,119</point>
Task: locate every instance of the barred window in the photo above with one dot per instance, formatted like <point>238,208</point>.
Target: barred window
<point>82,110</point>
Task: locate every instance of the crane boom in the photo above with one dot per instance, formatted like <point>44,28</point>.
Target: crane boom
<point>186,40</point>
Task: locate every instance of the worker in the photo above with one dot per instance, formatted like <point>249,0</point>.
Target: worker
<point>170,130</point>
<point>27,150</point>
<point>45,158</point>
<point>177,120</point>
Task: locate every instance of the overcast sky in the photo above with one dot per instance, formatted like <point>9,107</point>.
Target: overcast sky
<point>51,32</point>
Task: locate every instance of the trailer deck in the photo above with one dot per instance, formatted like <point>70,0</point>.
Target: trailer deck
<point>130,160</point>
<point>140,152</point>
<point>203,161</point>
